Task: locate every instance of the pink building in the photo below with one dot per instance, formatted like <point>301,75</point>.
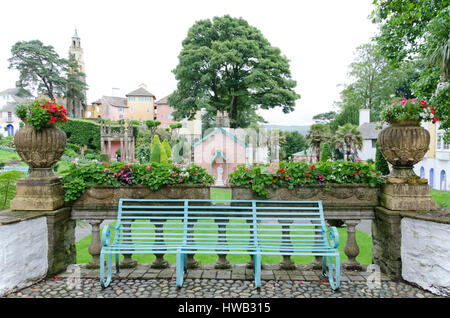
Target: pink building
<point>219,152</point>
<point>164,112</point>
<point>108,107</point>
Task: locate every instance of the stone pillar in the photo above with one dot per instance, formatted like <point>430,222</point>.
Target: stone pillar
<point>122,151</point>
<point>286,263</point>
<point>109,147</point>
<point>406,197</point>
<point>96,245</point>
<point>128,261</point>
<point>316,263</point>
<point>386,241</point>
<point>351,248</point>
<point>61,240</point>
<point>222,262</point>
<point>159,262</point>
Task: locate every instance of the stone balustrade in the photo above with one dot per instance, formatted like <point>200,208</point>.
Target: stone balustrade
<point>349,203</point>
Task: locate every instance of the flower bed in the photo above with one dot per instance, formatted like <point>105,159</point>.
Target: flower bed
<point>261,178</point>
<point>119,174</point>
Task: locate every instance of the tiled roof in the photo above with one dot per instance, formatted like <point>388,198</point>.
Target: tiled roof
<point>163,100</point>
<point>371,130</point>
<point>140,92</point>
<point>113,101</point>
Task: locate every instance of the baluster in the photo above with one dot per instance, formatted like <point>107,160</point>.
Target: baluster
<point>96,245</point>
<point>222,262</point>
<point>351,248</point>
<point>286,263</point>
<point>191,262</point>
<point>128,261</point>
<point>160,262</point>
<point>251,261</point>
<point>316,263</point>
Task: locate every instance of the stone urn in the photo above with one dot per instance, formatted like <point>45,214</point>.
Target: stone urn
<point>40,150</point>
<point>403,144</point>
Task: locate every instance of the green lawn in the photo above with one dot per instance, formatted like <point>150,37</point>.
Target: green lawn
<point>442,198</point>
<point>8,155</point>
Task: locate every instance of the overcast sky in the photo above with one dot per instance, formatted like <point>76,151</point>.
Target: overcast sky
<point>130,42</point>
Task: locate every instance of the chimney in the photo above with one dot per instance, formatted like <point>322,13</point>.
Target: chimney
<point>143,86</point>
<point>364,116</point>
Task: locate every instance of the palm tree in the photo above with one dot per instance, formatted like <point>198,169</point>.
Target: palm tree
<point>348,138</point>
<point>438,43</point>
<point>318,134</point>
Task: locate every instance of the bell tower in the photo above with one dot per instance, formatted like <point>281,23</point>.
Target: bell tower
<point>76,50</point>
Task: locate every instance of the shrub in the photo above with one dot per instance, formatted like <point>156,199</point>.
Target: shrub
<point>73,147</point>
<point>154,175</point>
<point>167,148</point>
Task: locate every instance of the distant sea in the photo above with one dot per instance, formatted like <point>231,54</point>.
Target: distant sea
<point>301,129</point>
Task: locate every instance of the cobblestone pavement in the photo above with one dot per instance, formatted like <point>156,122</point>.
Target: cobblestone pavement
<point>144,282</point>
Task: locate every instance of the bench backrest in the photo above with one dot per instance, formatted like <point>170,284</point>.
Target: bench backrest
<point>245,222</point>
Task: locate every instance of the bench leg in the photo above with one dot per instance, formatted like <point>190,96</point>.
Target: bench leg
<point>181,268</point>
<point>116,257</point>
<point>257,270</point>
<point>334,271</point>
<point>102,270</point>
<point>324,266</point>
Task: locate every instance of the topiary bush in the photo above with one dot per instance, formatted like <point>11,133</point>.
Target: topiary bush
<point>380,163</point>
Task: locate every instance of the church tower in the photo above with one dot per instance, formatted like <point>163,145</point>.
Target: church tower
<point>76,51</point>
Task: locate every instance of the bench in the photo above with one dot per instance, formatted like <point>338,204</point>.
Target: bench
<point>250,227</point>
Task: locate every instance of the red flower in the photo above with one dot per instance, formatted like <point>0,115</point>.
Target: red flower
<point>53,119</point>
<point>354,173</point>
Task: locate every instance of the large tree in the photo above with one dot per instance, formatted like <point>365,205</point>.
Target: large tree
<point>40,67</point>
<point>419,30</point>
<point>292,142</point>
<point>227,65</point>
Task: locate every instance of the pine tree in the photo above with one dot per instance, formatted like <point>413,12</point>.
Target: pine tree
<point>381,163</point>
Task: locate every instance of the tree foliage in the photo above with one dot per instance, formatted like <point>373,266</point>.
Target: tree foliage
<point>40,67</point>
<point>348,139</point>
<point>227,65</point>
<point>292,142</point>
<point>318,134</point>
<point>380,162</point>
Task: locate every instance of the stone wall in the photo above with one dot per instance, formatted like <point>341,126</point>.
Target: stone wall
<point>34,245</point>
<point>425,254</point>
<point>23,253</point>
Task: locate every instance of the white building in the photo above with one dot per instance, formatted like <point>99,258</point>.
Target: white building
<point>9,99</point>
<point>435,166</point>
<point>369,131</point>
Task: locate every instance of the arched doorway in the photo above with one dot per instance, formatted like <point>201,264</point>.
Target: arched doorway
<point>10,129</point>
<point>443,181</point>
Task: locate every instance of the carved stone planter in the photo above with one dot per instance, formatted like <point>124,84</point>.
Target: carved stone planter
<point>336,195</point>
<point>404,144</point>
<point>40,150</point>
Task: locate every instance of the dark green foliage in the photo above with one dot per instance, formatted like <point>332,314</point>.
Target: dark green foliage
<point>75,89</point>
<point>326,152</point>
<point>381,163</point>
<point>104,157</point>
<point>294,142</point>
<point>73,147</point>
<point>142,154</point>
<point>227,65</point>
<point>82,132</point>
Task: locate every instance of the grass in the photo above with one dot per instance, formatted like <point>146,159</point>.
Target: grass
<point>8,155</point>
<point>442,198</point>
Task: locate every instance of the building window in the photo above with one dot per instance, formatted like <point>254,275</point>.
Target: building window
<point>148,110</point>
<point>439,141</point>
<point>443,183</point>
<point>422,172</point>
<point>374,143</point>
<point>131,109</point>
<point>184,124</point>
<point>9,116</point>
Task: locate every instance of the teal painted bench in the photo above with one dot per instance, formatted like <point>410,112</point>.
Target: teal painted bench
<point>250,227</point>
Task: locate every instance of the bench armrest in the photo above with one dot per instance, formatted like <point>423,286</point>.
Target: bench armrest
<point>106,234</point>
<point>333,236</point>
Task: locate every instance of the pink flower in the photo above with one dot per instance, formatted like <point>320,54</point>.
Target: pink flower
<point>148,168</point>
<point>404,101</point>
